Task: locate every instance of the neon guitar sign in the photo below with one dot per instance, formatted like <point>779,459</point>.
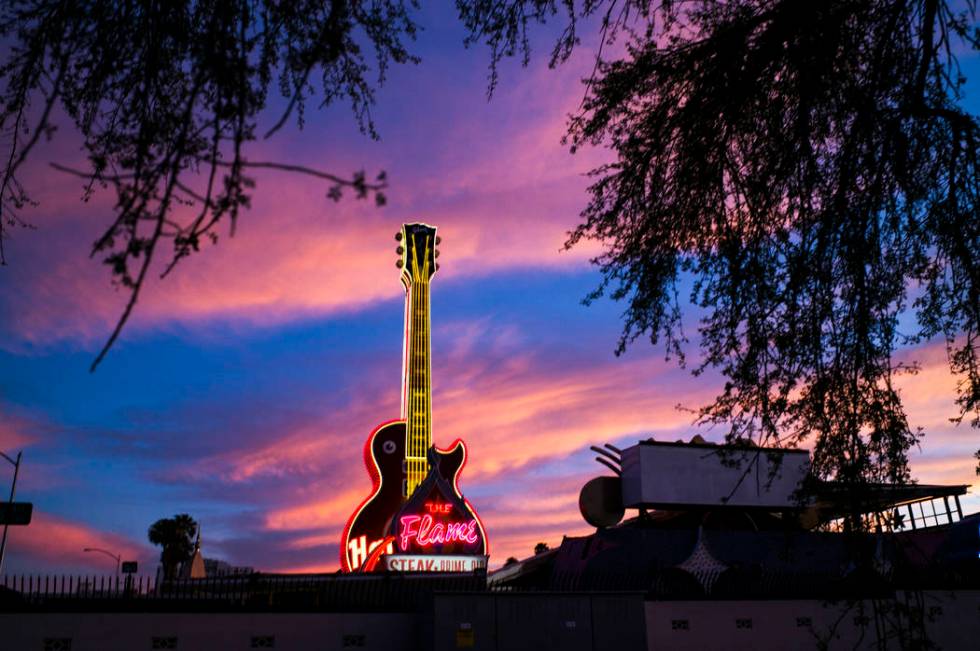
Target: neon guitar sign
<point>408,473</point>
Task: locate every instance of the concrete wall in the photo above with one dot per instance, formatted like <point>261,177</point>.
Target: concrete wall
<point>511,622</point>
<point>539,622</point>
<point>952,622</point>
<point>208,631</point>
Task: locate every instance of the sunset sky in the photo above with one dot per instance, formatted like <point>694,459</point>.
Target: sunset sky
<point>245,385</point>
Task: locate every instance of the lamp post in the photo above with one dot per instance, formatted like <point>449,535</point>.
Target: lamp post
<point>115,557</point>
<point>13,487</point>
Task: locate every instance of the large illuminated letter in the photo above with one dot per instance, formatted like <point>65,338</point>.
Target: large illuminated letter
<point>407,530</point>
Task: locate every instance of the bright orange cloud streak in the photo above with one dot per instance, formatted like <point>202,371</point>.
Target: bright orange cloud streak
<point>513,419</point>
<point>516,417</point>
<point>509,416</point>
<point>295,254</point>
<point>946,453</point>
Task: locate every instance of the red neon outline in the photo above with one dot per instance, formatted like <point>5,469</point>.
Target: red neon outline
<point>404,405</point>
<point>466,456</point>
<point>376,480</point>
<point>372,560</point>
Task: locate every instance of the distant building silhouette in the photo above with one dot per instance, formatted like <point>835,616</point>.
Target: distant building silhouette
<point>194,568</point>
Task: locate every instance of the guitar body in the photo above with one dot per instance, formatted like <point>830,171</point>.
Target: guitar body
<point>384,454</point>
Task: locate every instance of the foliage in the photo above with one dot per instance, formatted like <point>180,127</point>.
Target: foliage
<point>176,536</point>
<point>804,174</point>
<point>167,96</point>
<point>541,547</point>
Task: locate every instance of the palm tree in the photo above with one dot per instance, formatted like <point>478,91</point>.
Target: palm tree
<point>176,536</point>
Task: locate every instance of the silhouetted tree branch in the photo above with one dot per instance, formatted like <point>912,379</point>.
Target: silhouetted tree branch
<point>805,175</point>
<point>166,97</point>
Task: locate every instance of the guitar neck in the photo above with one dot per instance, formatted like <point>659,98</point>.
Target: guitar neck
<point>418,387</point>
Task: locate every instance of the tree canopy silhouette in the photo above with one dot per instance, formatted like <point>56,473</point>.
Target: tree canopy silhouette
<point>167,95</point>
<point>805,175</point>
<point>176,536</point>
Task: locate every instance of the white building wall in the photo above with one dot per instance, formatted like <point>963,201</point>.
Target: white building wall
<point>952,622</point>
<point>208,631</point>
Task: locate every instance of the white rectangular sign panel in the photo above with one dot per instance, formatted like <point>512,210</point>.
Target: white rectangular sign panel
<point>434,563</point>
<point>667,475</point>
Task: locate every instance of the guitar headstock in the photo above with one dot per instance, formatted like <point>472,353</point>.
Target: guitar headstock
<point>417,252</point>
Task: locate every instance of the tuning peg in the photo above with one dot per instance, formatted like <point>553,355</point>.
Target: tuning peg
<point>437,253</point>
<point>438,240</point>
<point>400,250</point>
<point>398,236</point>
<point>398,263</point>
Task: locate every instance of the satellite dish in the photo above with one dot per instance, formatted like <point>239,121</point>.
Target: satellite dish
<point>601,501</point>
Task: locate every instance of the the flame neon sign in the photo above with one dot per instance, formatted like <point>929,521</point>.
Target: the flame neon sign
<point>426,531</point>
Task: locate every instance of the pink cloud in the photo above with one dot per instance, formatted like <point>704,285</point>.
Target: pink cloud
<point>514,420</point>
<point>514,415</point>
<point>519,413</point>
<point>329,513</point>
<point>55,543</point>
<point>495,407</point>
<point>16,432</point>
<point>946,454</point>
<point>504,194</point>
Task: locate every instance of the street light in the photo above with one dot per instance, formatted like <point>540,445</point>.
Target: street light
<point>115,557</point>
<point>13,487</point>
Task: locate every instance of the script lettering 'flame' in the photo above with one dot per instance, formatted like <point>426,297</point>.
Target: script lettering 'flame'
<point>426,533</point>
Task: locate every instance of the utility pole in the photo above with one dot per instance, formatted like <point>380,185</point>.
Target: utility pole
<point>13,487</point>
<point>115,557</point>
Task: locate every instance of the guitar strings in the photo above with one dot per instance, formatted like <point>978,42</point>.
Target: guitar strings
<point>415,361</point>
<point>420,403</point>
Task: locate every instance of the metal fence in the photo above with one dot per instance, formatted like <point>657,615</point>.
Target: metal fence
<point>413,593</point>
<point>254,592</point>
<point>35,587</point>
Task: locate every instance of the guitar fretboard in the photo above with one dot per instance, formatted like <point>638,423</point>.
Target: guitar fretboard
<point>418,389</point>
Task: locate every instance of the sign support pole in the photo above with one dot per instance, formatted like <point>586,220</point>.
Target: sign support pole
<point>13,487</point>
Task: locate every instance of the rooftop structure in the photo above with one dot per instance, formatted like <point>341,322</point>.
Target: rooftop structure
<point>716,520</point>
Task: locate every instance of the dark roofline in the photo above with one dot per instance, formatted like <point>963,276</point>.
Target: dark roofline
<point>725,446</point>
<point>901,492</point>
